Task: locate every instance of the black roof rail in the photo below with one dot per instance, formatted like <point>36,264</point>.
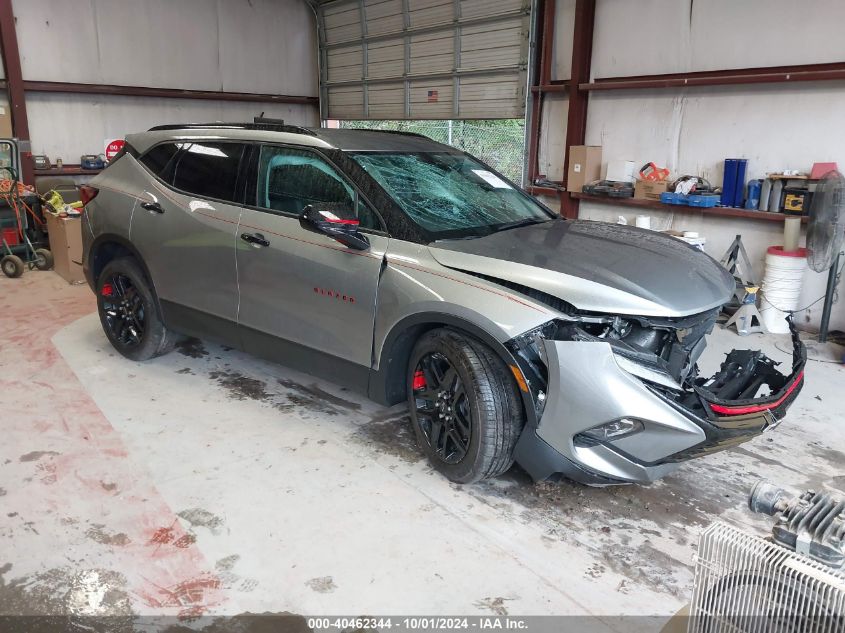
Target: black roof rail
<point>394,132</point>
<point>273,125</point>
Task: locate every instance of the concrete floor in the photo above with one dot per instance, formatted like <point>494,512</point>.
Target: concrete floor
<point>209,482</point>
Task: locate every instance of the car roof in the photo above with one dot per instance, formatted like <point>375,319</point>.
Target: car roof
<point>351,140</point>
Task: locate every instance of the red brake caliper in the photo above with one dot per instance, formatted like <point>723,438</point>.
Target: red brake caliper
<point>419,380</point>
<point>107,290</point>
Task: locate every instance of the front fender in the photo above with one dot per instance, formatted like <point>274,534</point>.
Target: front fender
<point>418,295</point>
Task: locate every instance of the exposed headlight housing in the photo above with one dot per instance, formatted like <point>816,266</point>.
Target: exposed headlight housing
<point>608,432</point>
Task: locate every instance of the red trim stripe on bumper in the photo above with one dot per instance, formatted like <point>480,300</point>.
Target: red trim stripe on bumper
<point>742,410</point>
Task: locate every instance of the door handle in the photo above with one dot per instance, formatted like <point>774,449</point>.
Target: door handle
<point>152,206</point>
<point>255,238</point>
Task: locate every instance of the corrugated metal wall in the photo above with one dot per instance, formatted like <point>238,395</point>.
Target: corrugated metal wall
<point>258,46</point>
<point>424,59</point>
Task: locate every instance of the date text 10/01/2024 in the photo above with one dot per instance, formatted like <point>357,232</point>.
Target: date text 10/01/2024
<point>418,623</point>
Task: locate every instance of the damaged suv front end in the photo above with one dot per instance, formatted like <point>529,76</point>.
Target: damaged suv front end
<point>619,398</point>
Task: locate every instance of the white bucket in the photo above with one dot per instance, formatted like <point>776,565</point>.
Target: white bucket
<point>781,286</point>
<point>644,221</point>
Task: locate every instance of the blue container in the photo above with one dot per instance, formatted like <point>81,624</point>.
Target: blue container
<point>689,200</point>
<point>729,182</point>
<point>739,183</point>
<point>694,200</point>
<point>752,197</point>
<point>672,198</point>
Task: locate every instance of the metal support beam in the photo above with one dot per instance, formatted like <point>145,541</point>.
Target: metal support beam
<point>166,93</point>
<point>834,71</point>
<point>543,27</point>
<point>15,87</point>
<point>576,123</point>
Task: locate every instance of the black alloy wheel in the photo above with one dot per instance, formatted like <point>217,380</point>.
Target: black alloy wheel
<point>442,407</point>
<point>123,308</point>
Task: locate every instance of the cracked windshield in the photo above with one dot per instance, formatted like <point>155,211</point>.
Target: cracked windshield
<point>451,195</point>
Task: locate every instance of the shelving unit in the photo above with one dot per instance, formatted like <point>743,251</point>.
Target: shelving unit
<point>727,212</point>
<point>537,190</point>
<point>67,170</point>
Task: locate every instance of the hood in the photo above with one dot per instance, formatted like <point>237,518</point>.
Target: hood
<point>597,267</point>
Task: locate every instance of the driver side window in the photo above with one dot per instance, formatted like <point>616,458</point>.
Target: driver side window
<point>290,180</point>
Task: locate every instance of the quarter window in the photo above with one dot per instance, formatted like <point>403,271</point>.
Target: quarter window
<point>289,180</point>
<point>209,170</point>
<point>159,160</point>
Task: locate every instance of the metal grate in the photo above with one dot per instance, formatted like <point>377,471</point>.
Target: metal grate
<point>745,584</point>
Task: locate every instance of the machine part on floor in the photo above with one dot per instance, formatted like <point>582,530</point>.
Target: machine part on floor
<point>745,583</point>
<point>825,233</point>
<point>812,524</point>
<point>793,581</point>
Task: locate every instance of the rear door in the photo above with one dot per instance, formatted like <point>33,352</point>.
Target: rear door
<point>303,295</point>
<point>185,226</point>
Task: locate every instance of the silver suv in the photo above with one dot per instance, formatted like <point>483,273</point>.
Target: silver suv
<point>410,271</point>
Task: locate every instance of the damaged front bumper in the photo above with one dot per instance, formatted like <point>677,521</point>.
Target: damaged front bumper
<point>606,419</point>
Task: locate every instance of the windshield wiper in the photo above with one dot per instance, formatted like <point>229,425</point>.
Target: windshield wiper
<point>519,223</point>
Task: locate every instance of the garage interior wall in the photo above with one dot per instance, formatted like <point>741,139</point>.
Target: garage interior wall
<point>249,46</point>
<point>692,130</point>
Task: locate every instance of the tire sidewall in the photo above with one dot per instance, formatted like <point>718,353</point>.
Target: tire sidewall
<point>149,340</point>
<point>12,266</point>
<point>443,343</point>
<point>44,259</point>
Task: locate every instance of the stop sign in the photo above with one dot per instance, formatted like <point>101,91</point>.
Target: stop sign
<point>113,147</point>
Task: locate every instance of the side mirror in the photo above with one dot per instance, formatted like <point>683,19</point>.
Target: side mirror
<point>336,222</point>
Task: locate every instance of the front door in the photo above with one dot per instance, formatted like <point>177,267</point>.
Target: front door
<point>305,298</point>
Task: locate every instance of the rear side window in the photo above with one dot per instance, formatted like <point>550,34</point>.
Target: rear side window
<point>159,160</point>
<point>209,170</point>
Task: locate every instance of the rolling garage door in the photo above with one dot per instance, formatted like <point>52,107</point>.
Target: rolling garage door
<point>423,59</point>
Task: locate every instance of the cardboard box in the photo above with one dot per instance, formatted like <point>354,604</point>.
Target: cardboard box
<point>5,122</point>
<point>66,246</point>
<point>650,190</point>
<point>584,166</point>
<point>620,171</point>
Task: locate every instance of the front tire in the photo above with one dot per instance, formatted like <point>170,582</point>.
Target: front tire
<point>465,408</point>
<point>129,312</point>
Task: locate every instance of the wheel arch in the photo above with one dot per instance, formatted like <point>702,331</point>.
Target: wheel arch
<point>387,385</point>
<point>108,247</point>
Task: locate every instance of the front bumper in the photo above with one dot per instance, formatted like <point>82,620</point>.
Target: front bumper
<point>590,385</point>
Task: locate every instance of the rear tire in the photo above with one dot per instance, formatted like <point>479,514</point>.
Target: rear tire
<point>12,266</point>
<point>129,312</point>
<point>466,410</point>
<point>43,259</point>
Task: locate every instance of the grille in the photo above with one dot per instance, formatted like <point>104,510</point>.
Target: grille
<point>745,584</point>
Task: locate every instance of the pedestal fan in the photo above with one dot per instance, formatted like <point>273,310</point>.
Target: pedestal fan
<point>825,233</point>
